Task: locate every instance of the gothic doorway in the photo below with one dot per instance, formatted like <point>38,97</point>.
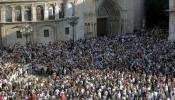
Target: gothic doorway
<point>108,17</point>
<point>102,26</point>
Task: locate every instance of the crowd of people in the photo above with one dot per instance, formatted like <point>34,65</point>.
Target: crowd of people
<point>153,32</point>
<point>101,68</point>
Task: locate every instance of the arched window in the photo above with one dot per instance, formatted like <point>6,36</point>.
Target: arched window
<point>8,13</point>
<point>28,13</point>
<point>61,11</point>
<point>40,12</point>
<point>51,10</point>
<point>69,10</point>
<point>18,15</point>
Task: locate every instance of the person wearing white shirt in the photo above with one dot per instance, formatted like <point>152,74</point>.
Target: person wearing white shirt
<point>119,96</point>
<point>82,91</point>
<point>99,94</point>
<point>155,95</point>
<point>166,91</point>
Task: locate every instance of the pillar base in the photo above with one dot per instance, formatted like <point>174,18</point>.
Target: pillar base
<point>171,36</point>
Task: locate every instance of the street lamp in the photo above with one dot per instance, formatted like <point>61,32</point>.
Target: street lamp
<point>26,31</point>
<point>73,21</point>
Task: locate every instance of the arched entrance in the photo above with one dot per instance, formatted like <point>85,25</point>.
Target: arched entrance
<point>108,18</point>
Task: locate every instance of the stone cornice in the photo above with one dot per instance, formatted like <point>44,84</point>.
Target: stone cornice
<point>30,22</point>
<point>26,1</point>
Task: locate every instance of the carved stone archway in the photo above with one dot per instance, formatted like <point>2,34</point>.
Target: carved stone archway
<point>110,10</point>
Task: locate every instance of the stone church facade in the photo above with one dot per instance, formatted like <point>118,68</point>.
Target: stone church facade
<point>50,19</point>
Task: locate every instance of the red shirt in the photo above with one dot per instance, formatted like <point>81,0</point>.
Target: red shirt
<point>63,97</point>
<point>1,98</point>
<point>32,97</point>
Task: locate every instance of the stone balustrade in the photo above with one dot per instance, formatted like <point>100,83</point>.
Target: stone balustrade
<point>23,10</point>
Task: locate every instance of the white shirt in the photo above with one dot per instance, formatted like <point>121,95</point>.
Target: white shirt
<point>82,91</point>
<point>155,93</point>
<point>57,91</point>
<point>99,94</point>
<point>121,87</point>
<point>166,88</point>
<point>119,95</point>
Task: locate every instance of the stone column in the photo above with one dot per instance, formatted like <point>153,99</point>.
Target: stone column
<point>34,12</point>
<point>172,20</point>
<point>3,14</point>
<point>13,14</point>
<point>65,2</point>
<point>22,13</point>
<point>171,5</point>
<point>57,9</point>
<point>123,21</point>
<point>46,13</point>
